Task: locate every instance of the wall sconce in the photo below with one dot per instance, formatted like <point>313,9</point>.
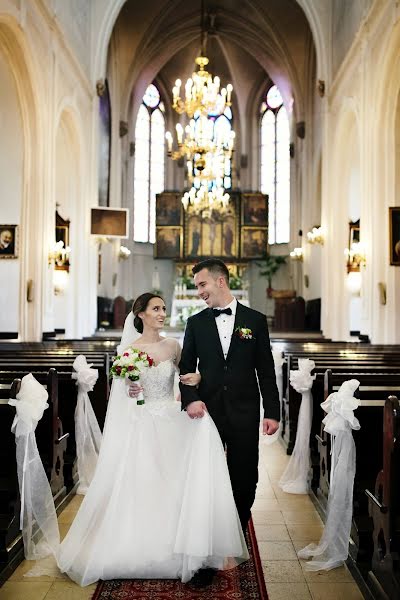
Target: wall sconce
<point>59,256</point>
<point>123,253</point>
<point>297,254</point>
<point>356,257</point>
<point>316,236</point>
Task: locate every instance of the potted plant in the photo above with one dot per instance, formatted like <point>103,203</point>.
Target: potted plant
<point>271,263</point>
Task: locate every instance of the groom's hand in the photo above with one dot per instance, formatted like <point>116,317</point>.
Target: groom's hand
<point>270,426</point>
<point>196,409</point>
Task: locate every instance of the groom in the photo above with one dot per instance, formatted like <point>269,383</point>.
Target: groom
<point>230,361</point>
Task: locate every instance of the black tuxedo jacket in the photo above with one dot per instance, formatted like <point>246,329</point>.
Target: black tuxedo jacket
<point>229,387</point>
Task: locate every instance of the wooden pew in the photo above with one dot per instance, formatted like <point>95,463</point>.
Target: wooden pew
<point>10,501</point>
<point>292,399</point>
<point>384,508</point>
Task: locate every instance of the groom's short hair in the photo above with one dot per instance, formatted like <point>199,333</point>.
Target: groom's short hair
<point>215,266</point>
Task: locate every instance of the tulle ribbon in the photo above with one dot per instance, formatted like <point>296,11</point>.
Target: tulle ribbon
<point>87,431</point>
<point>333,547</point>
<point>36,498</point>
<point>295,479</point>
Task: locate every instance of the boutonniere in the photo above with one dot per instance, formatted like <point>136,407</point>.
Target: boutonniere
<point>244,333</point>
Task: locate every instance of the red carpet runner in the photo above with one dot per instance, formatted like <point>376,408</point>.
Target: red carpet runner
<point>245,582</point>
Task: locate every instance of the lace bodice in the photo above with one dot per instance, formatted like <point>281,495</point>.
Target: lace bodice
<point>158,382</point>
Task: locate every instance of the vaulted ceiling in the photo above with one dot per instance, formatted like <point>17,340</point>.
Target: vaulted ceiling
<point>248,43</point>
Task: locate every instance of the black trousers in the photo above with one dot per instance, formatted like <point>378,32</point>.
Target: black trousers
<point>242,457</point>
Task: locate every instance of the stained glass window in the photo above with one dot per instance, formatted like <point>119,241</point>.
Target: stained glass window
<point>275,165</point>
<point>149,164</point>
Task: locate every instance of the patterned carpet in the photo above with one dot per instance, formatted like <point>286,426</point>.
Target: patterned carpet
<point>245,582</point>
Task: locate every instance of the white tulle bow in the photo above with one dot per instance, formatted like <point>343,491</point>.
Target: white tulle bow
<point>86,376</point>
<point>340,407</point>
<point>302,379</point>
<point>30,405</point>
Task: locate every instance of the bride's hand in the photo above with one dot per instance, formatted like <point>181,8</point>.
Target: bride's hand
<point>190,378</point>
<point>134,389</point>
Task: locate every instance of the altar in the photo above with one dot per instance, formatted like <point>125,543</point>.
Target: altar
<point>186,303</point>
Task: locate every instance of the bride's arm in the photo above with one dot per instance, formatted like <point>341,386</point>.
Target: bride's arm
<point>192,379</point>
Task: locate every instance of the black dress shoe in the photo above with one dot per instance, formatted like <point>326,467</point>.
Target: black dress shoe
<point>203,578</point>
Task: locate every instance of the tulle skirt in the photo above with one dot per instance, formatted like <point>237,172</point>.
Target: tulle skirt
<point>160,504</point>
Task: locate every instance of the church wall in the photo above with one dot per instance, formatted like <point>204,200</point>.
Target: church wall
<point>347,17</point>
<point>44,94</point>
<point>366,88</point>
<point>11,162</point>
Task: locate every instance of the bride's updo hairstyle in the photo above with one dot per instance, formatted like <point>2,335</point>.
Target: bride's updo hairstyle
<point>139,306</point>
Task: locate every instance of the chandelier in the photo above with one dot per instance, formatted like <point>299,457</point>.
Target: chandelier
<point>204,201</point>
<point>202,90</point>
<point>205,152</point>
<point>205,147</point>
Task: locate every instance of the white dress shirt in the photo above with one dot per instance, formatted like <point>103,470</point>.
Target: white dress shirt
<point>225,324</point>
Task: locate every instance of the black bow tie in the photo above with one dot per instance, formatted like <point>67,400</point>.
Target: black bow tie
<point>220,311</point>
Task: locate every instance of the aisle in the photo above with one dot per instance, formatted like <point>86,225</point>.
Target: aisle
<point>283,522</point>
<point>293,522</point>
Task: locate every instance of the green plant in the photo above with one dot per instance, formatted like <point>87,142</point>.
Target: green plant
<point>271,263</point>
<point>235,282</point>
<point>188,281</point>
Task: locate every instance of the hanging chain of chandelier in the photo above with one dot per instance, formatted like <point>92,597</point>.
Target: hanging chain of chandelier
<point>205,153</point>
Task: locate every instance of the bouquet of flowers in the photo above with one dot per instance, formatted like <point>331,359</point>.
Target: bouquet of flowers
<point>129,365</point>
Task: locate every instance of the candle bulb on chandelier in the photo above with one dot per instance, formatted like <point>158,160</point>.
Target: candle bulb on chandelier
<point>229,89</point>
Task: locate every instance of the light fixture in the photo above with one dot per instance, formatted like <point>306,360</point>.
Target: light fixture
<point>202,91</point>
<point>356,256</point>
<point>59,256</point>
<point>204,201</point>
<point>297,254</point>
<point>316,236</point>
<point>123,253</point>
<point>205,147</point>
<point>205,153</point>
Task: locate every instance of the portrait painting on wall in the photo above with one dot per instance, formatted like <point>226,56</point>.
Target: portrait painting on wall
<point>394,235</point>
<point>169,242</point>
<point>255,210</point>
<point>211,235</point>
<point>169,208</point>
<point>8,241</point>
<point>253,242</point>
<point>110,222</point>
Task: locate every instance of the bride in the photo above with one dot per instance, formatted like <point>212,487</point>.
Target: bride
<point>160,504</point>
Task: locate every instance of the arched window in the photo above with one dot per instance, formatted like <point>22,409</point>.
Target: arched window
<point>275,165</point>
<point>149,164</point>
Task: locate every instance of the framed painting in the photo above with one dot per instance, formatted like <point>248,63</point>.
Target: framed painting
<point>8,241</point>
<point>254,210</point>
<point>253,242</point>
<point>394,235</point>
<point>169,242</point>
<point>169,208</point>
<point>109,222</point>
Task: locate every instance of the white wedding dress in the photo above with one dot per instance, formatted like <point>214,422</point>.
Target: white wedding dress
<point>160,504</point>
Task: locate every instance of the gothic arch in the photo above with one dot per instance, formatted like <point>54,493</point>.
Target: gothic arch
<point>33,259</point>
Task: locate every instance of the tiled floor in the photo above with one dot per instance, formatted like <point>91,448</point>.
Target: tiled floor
<point>284,523</point>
